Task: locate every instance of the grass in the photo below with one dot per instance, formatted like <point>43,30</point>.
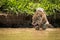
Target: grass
<point>28,34</point>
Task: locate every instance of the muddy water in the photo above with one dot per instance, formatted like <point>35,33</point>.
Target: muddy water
<point>29,34</point>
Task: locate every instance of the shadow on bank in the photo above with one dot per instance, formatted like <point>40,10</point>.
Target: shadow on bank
<point>15,21</point>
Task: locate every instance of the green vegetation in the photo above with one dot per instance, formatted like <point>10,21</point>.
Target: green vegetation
<point>29,6</point>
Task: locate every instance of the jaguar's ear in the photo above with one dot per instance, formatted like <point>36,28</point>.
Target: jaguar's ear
<point>40,9</point>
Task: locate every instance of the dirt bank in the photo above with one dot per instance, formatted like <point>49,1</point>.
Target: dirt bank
<point>17,20</point>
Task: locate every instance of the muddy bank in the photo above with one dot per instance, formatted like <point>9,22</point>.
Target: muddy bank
<point>11,20</point>
<point>21,20</point>
<point>54,21</point>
